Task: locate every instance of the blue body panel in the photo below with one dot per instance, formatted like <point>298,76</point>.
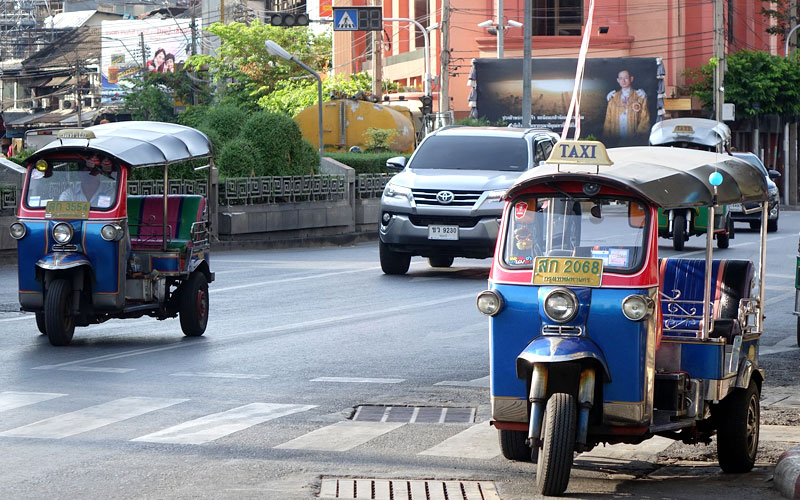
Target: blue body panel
<point>30,249</point>
<point>620,341</point>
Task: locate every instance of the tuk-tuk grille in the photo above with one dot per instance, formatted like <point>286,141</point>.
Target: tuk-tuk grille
<point>574,331</point>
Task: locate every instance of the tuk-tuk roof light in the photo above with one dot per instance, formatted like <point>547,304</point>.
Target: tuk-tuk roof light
<point>62,233</point>
<point>18,230</point>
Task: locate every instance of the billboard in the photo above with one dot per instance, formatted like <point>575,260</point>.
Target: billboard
<point>619,101</point>
<point>166,44</point>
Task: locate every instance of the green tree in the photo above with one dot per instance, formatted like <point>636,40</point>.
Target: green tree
<point>153,98</point>
<point>779,11</point>
<point>243,69</point>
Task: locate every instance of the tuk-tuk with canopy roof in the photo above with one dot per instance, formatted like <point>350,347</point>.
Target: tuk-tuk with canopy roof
<point>89,252</point>
<point>681,222</point>
<point>594,337</point>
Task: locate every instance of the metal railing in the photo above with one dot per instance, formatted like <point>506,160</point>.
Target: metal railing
<point>371,185</point>
<point>8,199</point>
<point>282,189</point>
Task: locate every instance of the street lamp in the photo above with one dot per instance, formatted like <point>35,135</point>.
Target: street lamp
<point>276,50</point>
<point>786,163</point>
<point>499,29</point>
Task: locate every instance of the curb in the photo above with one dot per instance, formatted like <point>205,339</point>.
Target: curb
<point>787,473</point>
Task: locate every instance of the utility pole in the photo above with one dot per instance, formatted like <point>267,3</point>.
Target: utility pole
<point>144,54</point>
<point>790,130</point>
<point>527,32</point>
<point>78,92</point>
<point>444,61</point>
<point>501,26</point>
<point>194,51</point>
<point>719,54</point>
<point>377,62</point>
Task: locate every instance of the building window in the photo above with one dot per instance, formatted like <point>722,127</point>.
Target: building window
<point>557,17</point>
<point>422,16</point>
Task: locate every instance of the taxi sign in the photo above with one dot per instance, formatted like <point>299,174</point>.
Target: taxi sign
<point>75,133</point>
<point>77,210</point>
<point>579,153</point>
<point>568,271</point>
<point>683,130</point>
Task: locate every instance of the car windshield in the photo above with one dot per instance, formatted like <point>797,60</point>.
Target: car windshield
<point>609,229</point>
<point>472,153</point>
<point>91,178</point>
<point>753,160</point>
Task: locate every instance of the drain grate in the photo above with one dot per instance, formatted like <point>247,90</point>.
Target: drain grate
<point>405,489</point>
<point>414,414</point>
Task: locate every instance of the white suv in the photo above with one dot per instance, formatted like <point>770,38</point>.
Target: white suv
<point>446,202</point>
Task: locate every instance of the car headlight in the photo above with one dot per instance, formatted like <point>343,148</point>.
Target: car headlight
<point>637,307</point>
<point>111,232</point>
<point>495,194</point>
<point>490,302</point>
<point>561,305</point>
<point>17,230</point>
<point>62,233</point>
<point>394,191</point>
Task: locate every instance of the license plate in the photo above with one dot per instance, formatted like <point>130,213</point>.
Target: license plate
<point>735,207</point>
<point>443,233</point>
<point>67,210</point>
<point>567,271</point>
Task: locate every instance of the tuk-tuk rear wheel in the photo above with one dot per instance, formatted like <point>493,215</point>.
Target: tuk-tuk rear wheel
<point>58,320</point>
<point>554,464</point>
<point>193,305</point>
<point>513,446</point>
<point>737,419</point>
<point>40,323</point>
<point>678,231</point>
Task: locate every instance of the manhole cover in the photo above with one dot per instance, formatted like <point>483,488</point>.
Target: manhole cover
<point>405,489</point>
<point>414,414</point>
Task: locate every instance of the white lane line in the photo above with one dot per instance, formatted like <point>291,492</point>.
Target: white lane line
<point>219,375</point>
<point>334,320</point>
<point>19,318</point>
<point>478,382</point>
<point>781,297</point>
<point>10,400</point>
<point>211,427</point>
<point>341,436</point>
<point>779,287</point>
<point>478,441</point>
<point>784,433</point>
<point>645,451</point>
<point>788,341</point>
<point>97,369</point>
<point>764,351</point>
<point>288,280</point>
<point>90,418</point>
<point>359,380</point>
<point>781,276</point>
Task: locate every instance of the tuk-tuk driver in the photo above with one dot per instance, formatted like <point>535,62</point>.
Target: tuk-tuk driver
<point>91,187</point>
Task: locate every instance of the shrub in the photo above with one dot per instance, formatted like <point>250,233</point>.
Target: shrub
<point>193,116</point>
<point>379,139</point>
<point>278,141</point>
<point>238,158</point>
<point>365,163</point>
<point>225,120</point>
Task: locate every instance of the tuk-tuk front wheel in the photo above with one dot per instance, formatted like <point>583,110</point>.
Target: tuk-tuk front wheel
<point>558,444</point>
<point>58,321</point>
<point>737,418</point>
<point>40,323</point>
<point>193,306</point>
<point>513,446</point>
<point>678,231</point>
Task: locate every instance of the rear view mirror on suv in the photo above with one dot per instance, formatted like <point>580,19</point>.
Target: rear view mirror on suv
<point>396,163</point>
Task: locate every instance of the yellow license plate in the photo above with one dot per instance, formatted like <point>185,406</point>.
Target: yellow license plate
<point>67,210</point>
<point>567,271</point>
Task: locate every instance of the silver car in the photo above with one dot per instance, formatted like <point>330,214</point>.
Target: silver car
<point>445,203</point>
<point>754,218</point>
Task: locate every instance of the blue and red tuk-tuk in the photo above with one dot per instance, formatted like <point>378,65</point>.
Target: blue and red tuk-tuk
<point>89,252</point>
<point>594,338</point>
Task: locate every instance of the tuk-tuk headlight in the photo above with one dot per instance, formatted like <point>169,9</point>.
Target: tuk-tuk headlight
<point>637,307</point>
<point>62,233</point>
<point>17,230</point>
<point>490,302</point>
<point>111,232</point>
<point>561,305</point>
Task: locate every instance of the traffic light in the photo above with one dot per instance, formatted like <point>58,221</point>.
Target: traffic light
<point>287,20</point>
<point>427,104</point>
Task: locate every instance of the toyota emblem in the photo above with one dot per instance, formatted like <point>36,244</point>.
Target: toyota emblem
<point>445,197</point>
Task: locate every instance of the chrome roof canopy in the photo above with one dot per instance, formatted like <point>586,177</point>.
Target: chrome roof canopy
<point>137,144</point>
<point>666,177</point>
<point>700,131</point>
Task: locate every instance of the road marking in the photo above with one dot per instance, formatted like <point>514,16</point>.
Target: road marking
<point>788,341</point>
<point>289,280</point>
<point>781,276</point>
<point>91,418</point>
<point>645,451</point>
<point>98,369</point>
<point>205,429</point>
<point>10,400</point>
<point>20,318</point>
<point>779,287</point>
<point>783,433</point>
<point>478,441</point>
<point>482,382</point>
<point>781,297</point>
<point>764,351</point>
<point>219,375</point>
<point>335,320</point>
<point>359,380</point>
<point>341,436</point>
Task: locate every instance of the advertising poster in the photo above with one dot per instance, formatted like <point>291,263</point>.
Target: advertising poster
<point>618,102</point>
<point>166,44</point>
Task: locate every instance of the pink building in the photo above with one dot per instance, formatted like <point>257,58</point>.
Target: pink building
<point>679,31</point>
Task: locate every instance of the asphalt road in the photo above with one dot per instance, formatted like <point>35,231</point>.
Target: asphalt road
<point>262,406</point>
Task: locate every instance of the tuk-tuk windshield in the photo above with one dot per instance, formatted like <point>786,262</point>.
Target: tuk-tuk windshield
<point>610,229</point>
<point>91,178</point>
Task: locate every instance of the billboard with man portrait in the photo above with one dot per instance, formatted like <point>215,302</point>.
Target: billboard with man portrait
<point>619,101</point>
<point>166,44</point>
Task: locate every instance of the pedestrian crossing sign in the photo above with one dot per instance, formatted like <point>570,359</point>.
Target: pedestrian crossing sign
<point>345,19</point>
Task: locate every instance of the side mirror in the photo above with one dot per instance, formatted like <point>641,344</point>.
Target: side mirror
<point>396,163</point>
<point>774,174</point>
<point>636,214</point>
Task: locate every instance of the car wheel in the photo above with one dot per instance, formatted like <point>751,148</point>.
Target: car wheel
<point>755,225</point>
<point>440,261</point>
<point>393,262</point>
<point>58,320</point>
<point>193,305</point>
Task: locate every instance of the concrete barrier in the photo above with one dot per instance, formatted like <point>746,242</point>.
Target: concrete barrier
<point>787,473</point>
